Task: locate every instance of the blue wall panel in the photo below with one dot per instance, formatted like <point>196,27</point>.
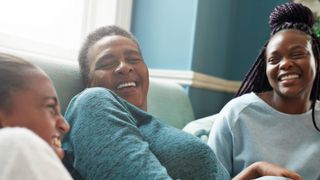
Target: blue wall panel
<point>165,29</point>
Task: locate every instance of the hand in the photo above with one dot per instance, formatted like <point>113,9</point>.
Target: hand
<point>260,169</point>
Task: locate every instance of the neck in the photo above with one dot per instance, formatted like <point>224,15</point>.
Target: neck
<point>289,105</point>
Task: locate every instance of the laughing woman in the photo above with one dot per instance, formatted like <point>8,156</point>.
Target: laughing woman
<point>112,136</point>
<point>272,127</point>
<point>31,125</point>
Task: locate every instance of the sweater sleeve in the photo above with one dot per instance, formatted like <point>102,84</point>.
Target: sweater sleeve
<point>106,141</point>
<point>220,140</point>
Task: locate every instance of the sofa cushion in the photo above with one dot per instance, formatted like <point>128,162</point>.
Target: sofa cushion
<point>169,102</point>
<point>201,127</point>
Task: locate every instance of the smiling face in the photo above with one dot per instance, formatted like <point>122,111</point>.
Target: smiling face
<point>36,107</point>
<point>290,65</point>
<point>116,63</point>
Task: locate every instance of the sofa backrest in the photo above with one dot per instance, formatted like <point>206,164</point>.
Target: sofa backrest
<point>169,102</point>
<point>166,100</point>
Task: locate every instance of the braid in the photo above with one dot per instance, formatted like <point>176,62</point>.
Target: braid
<point>315,89</point>
<point>290,13</point>
<point>250,83</point>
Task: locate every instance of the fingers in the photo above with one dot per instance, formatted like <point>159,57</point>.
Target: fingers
<point>292,175</point>
<point>269,169</point>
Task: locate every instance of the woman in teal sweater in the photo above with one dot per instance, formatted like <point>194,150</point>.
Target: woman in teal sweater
<point>112,136</point>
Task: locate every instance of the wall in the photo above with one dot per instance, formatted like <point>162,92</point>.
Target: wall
<point>165,31</point>
<point>220,38</point>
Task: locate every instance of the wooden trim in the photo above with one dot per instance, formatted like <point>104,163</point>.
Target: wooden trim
<point>196,80</point>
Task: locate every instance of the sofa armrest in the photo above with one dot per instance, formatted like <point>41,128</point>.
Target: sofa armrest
<point>169,102</point>
<point>201,127</point>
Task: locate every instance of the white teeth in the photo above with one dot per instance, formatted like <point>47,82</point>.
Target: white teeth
<point>289,76</point>
<point>125,85</point>
<point>56,142</point>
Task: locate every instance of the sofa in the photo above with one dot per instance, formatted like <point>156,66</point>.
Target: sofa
<point>166,100</point>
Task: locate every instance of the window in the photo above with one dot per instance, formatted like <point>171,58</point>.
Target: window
<point>56,28</point>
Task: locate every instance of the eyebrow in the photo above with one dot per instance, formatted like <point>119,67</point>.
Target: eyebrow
<point>104,56</point>
<point>54,98</point>
<point>298,47</point>
<point>132,51</point>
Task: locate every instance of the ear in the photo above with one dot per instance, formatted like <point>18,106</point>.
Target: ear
<point>1,118</point>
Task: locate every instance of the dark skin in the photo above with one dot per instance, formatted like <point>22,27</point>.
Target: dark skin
<point>291,69</point>
<point>116,63</point>
<point>260,169</point>
<point>36,107</point>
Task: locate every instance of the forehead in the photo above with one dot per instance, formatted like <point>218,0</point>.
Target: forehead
<point>289,38</point>
<point>113,42</point>
<point>39,82</point>
<point>37,89</point>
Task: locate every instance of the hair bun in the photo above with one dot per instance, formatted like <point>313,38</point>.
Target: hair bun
<point>290,13</point>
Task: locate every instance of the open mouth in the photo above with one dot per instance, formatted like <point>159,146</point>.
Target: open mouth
<point>56,142</point>
<point>288,77</point>
<point>126,85</point>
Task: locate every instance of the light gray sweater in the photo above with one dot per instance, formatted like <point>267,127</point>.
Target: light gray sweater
<point>250,130</point>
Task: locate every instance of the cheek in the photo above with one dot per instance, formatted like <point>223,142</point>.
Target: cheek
<point>313,68</point>
<point>269,72</point>
<point>44,126</point>
<point>103,79</point>
<point>48,129</point>
<point>145,76</point>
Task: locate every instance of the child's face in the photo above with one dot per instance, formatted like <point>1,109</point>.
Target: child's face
<point>37,108</point>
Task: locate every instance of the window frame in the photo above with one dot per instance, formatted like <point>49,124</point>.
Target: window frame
<point>93,16</point>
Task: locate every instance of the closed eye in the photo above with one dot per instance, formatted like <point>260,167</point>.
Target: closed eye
<point>53,109</point>
<point>106,64</point>
<point>273,60</point>
<point>134,60</point>
<point>298,55</point>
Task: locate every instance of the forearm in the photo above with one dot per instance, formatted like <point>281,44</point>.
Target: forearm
<point>262,168</point>
<point>250,172</point>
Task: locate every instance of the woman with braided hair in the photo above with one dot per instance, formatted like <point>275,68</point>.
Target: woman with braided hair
<point>272,126</point>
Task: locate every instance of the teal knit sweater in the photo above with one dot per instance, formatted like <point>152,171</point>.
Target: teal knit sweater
<point>112,139</point>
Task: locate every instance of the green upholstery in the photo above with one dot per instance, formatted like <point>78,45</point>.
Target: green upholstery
<point>169,102</point>
<point>166,100</point>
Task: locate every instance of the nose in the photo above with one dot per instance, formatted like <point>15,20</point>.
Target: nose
<point>286,63</point>
<point>124,68</point>
<point>62,124</point>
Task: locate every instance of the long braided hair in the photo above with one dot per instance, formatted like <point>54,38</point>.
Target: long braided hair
<point>286,16</point>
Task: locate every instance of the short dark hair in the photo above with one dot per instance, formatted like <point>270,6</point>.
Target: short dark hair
<point>92,38</point>
<point>286,16</point>
<point>12,77</point>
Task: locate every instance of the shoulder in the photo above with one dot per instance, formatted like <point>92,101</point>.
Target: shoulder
<point>238,104</point>
<point>238,107</point>
<point>27,156</point>
<point>95,92</point>
<point>19,135</point>
<point>317,106</point>
<point>93,97</point>
<point>22,140</point>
